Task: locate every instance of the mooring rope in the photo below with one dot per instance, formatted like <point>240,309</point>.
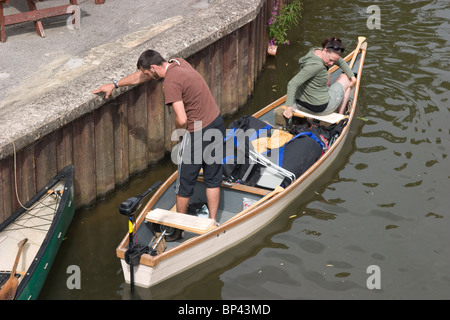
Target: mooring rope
<point>39,201</point>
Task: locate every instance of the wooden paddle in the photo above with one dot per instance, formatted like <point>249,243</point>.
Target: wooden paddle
<point>277,190</point>
<point>360,42</point>
<point>8,290</point>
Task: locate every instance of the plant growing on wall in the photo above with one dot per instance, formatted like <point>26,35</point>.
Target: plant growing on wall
<point>282,20</point>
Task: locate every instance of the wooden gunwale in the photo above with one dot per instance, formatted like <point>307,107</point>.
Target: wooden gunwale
<point>152,261</point>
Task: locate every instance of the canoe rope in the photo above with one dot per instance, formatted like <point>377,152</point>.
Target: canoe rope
<point>15,174</point>
<point>46,219</point>
<point>57,193</point>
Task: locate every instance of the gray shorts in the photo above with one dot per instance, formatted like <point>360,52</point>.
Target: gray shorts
<point>336,93</point>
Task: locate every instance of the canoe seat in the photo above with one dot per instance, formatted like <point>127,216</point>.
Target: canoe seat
<point>329,118</point>
<point>180,221</point>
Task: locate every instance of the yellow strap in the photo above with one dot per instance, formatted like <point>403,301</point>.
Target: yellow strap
<point>130,226</point>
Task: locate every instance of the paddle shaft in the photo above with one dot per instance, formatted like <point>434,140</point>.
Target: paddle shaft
<point>8,290</point>
<point>360,42</point>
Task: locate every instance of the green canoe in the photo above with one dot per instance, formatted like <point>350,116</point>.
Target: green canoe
<point>43,221</point>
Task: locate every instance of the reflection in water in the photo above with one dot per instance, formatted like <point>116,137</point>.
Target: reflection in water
<point>384,203</point>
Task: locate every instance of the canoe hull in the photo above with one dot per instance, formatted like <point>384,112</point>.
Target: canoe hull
<point>195,250</point>
<point>36,282</point>
<point>148,276</point>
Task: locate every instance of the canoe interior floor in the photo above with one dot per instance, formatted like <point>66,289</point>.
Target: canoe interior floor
<point>33,225</point>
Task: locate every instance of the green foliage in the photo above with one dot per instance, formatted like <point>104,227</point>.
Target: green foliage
<point>282,21</point>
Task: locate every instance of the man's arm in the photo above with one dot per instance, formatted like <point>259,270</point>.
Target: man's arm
<point>135,78</point>
<point>180,114</point>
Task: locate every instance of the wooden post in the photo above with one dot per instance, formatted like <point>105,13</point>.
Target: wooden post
<point>138,126</point>
<point>45,160</point>
<point>252,71</point>
<point>258,44</point>
<point>200,61</point>
<point>64,146</point>
<point>104,150</point>
<point>26,182</point>
<point>156,130</point>
<point>6,188</point>
<point>242,83</point>
<point>215,71</point>
<point>84,160</point>
<point>229,74</point>
<point>263,33</point>
<point>120,121</point>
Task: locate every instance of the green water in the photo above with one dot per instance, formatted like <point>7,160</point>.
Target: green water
<point>384,202</point>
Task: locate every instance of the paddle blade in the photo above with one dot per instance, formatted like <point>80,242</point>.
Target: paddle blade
<point>8,290</point>
<point>360,42</point>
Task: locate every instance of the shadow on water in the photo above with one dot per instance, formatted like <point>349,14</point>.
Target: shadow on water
<point>384,203</point>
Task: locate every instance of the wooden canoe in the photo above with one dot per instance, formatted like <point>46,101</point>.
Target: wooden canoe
<point>43,221</point>
<point>202,239</point>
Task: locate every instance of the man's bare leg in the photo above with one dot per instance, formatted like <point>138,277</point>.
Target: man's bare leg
<point>182,204</point>
<point>213,197</point>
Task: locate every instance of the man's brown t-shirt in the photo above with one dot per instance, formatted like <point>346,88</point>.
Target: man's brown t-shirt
<point>184,83</point>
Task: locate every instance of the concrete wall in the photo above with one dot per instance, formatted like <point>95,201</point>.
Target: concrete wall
<point>109,141</point>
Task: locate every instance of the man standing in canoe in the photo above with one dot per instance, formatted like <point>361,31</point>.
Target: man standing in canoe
<point>186,90</point>
<point>309,90</point>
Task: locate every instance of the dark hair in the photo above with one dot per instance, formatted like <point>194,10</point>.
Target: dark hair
<point>333,44</point>
<point>149,57</point>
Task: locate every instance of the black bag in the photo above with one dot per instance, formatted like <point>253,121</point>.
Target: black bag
<point>298,154</point>
<point>237,165</point>
<point>328,133</point>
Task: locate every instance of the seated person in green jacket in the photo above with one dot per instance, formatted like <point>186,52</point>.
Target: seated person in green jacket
<point>309,90</point>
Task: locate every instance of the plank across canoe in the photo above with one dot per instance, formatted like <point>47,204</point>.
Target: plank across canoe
<point>178,220</point>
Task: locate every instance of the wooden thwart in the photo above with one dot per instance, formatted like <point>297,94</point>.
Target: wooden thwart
<point>180,221</point>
